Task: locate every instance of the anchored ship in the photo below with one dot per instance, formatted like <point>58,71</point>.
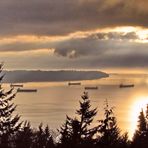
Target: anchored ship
<point>74,83</point>
<point>126,85</point>
<point>91,87</point>
<point>16,85</point>
<point>26,90</point>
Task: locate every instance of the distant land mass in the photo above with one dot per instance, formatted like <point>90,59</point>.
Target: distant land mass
<point>22,76</point>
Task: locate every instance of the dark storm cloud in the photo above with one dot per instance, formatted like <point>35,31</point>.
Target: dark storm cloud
<point>48,17</point>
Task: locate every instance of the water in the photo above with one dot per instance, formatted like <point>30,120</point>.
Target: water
<point>55,100</point>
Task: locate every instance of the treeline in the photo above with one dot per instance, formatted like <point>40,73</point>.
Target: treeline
<point>77,132</point>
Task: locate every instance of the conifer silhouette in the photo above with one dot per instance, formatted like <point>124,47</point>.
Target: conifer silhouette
<point>140,138</point>
<point>25,136</point>
<point>66,132</point>
<point>109,133</point>
<point>9,124</point>
<point>43,138</point>
<point>77,132</point>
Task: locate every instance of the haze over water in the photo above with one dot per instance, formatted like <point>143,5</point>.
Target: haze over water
<point>53,101</point>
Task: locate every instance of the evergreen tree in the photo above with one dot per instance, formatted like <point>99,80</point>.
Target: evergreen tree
<point>86,116</point>
<point>43,138</point>
<point>142,122</point>
<point>108,131</point>
<point>124,141</point>
<point>77,132</point>
<point>146,116</point>
<point>25,136</point>
<point>9,124</point>
<point>140,138</point>
<point>66,132</point>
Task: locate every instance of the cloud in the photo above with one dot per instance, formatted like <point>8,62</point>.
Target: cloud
<point>116,36</point>
<point>48,17</point>
<point>101,44</point>
<point>67,46</point>
<point>121,61</point>
<point>95,50</point>
<point>110,55</point>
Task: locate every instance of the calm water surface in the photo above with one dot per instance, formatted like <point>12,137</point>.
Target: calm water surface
<point>53,101</point>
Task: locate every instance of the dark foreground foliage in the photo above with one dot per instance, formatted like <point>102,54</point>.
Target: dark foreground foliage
<point>140,138</point>
<point>77,132</point>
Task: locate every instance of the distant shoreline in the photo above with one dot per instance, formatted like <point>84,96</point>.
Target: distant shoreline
<point>23,76</point>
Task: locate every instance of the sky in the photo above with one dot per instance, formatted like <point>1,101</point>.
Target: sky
<point>107,35</point>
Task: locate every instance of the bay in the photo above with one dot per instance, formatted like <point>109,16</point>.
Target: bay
<point>54,100</point>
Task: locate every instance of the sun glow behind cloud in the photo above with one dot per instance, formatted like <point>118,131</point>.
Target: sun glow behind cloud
<point>143,35</point>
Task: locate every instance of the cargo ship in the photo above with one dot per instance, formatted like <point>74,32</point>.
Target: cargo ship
<point>74,83</point>
<point>126,85</point>
<point>16,85</point>
<point>26,90</point>
<point>91,87</point>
